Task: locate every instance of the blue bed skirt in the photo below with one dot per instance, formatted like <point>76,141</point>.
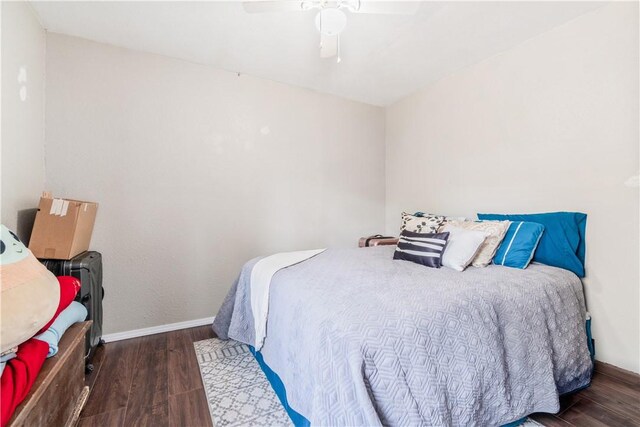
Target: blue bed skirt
<point>300,421</point>
<point>281,392</point>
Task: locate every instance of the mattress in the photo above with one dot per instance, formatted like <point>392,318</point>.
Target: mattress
<point>358,338</point>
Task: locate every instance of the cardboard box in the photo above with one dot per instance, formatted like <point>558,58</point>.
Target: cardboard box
<point>62,228</point>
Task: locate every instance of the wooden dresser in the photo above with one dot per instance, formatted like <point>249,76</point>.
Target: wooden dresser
<point>59,391</point>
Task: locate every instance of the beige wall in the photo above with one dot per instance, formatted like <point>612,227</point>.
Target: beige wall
<point>198,170</point>
<point>23,47</point>
<point>549,125</point>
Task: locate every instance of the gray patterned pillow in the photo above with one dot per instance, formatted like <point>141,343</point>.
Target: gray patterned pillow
<point>426,223</point>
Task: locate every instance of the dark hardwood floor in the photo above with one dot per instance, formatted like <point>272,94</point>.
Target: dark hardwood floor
<point>155,381</point>
<point>613,399</point>
<point>148,381</point>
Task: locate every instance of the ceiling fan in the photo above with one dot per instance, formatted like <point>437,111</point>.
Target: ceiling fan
<point>331,19</point>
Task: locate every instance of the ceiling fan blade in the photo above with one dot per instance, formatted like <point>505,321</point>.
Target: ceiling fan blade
<point>388,7</point>
<point>266,6</point>
<point>328,45</point>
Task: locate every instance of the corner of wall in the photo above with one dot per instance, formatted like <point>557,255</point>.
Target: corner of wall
<point>44,110</point>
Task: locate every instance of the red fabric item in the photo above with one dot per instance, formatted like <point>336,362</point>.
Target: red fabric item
<point>19,375</point>
<point>69,288</point>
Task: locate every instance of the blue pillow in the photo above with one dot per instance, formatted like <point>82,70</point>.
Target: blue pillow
<point>563,242</point>
<point>519,244</point>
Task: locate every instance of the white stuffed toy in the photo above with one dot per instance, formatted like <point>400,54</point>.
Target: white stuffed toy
<point>30,292</point>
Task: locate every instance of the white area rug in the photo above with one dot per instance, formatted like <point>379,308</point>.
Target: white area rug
<point>238,392</point>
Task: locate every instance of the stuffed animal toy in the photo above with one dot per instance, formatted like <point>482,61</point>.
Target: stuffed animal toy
<point>30,293</point>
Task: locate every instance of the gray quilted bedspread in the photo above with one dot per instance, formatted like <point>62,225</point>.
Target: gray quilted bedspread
<point>361,339</point>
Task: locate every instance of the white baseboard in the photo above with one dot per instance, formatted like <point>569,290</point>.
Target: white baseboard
<point>118,336</point>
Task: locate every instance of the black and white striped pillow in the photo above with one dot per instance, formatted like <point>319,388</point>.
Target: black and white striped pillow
<point>421,248</point>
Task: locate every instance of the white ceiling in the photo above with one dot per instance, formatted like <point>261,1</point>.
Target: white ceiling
<point>384,57</point>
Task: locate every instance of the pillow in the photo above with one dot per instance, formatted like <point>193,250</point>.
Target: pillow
<point>563,242</point>
<point>519,244</point>
<point>446,217</point>
<point>421,248</point>
<point>495,230</point>
<point>462,246</point>
<point>421,223</point>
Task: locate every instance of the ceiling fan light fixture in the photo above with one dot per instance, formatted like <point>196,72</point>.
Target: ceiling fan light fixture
<point>331,21</point>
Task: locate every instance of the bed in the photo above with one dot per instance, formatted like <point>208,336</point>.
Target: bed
<point>357,338</point>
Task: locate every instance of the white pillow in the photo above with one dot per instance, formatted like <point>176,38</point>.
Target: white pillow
<point>462,246</point>
<point>496,231</point>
